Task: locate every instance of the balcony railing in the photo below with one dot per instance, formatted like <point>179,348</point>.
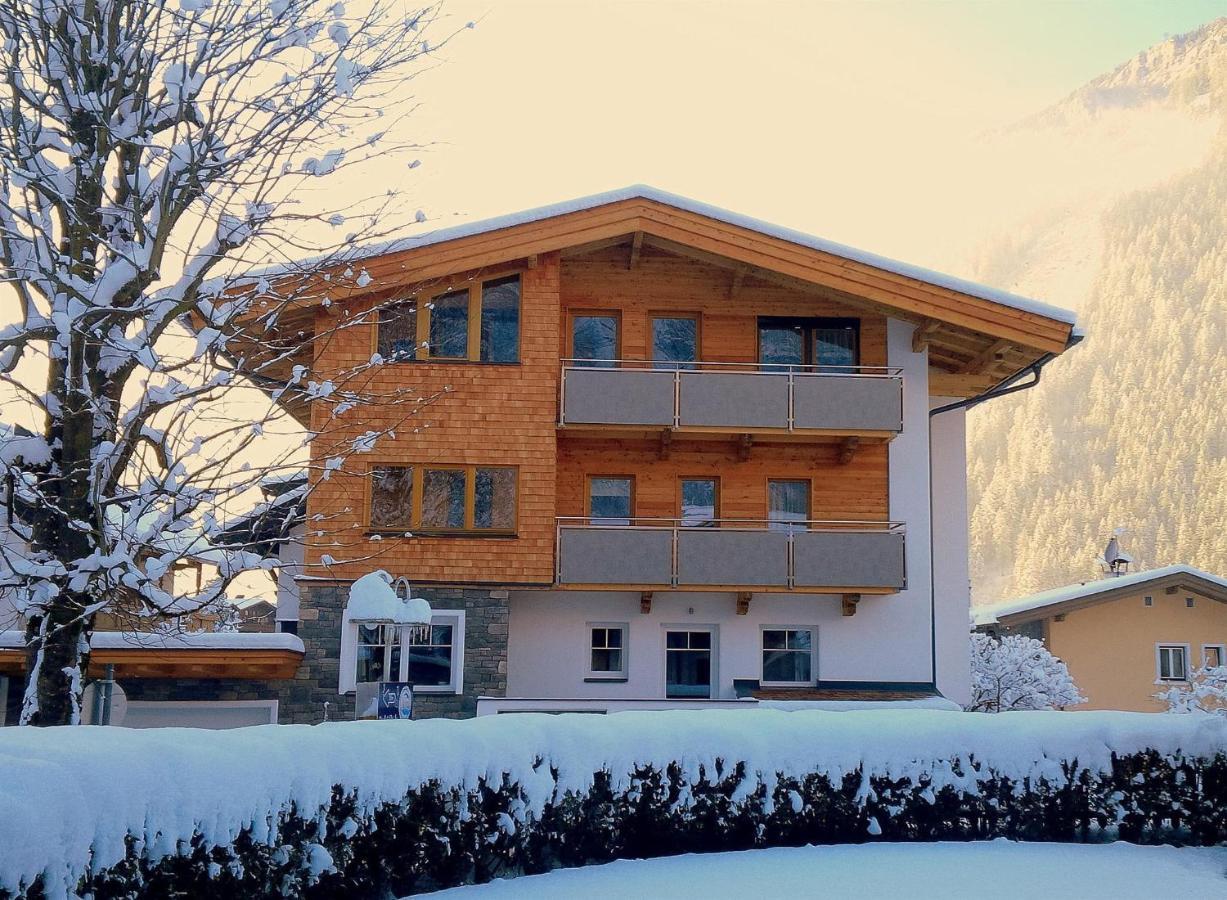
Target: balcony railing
<point>730,554</point>
<point>707,396</point>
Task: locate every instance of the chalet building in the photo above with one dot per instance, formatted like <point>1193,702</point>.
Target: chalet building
<point>679,457</point>
<point>1125,637</point>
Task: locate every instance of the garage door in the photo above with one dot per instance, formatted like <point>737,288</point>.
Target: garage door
<point>199,714</point>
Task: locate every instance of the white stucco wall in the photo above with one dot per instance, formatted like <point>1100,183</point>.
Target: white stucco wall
<point>951,577</point>
<point>291,555</point>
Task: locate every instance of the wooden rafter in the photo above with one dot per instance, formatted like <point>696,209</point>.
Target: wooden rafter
<point>636,249</point>
<point>743,447</point>
<point>645,602</point>
<point>743,602</point>
<point>994,354</point>
<point>848,604</point>
<point>847,449</point>
<point>923,335</point>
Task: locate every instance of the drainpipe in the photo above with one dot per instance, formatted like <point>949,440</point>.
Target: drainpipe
<point>1002,389</point>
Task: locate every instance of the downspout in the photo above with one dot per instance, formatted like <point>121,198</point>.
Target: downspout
<point>1003,388</point>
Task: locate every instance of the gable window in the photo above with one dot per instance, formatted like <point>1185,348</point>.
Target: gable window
<point>1173,662</point>
<point>594,340</point>
<point>787,504</point>
<point>700,502</point>
<point>1148,601</point>
<point>1213,656</point>
<point>607,650</point>
<point>808,344</point>
<point>443,499</point>
<point>1188,601</point>
<point>611,499</point>
<point>675,342</point>
<point>432,661</point>
<point>788,656</point>
<point>478,323</point>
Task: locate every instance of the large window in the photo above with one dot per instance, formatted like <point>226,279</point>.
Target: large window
<point>479,323</point>
<point>430,659</point>
<point>594,339</point>
<point>808,344</point>
<point>442,499</point>
<point>688,664</point>
<point>611,499</point>
<point>607,650</point>
<point>700,502</point>
<point>787,504</point>
<point>675,342</point>
<point>788,656</point>
<point>1173,662</point>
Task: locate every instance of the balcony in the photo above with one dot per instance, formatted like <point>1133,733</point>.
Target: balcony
<point>731,555</point>
<point>861,401</point>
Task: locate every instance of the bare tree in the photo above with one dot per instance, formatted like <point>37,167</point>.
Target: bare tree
<point>152,155</point>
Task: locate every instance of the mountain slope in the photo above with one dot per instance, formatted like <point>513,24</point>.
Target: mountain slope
<point>1128,429</point>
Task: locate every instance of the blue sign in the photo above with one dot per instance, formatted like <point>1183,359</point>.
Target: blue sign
<point>395,700</point>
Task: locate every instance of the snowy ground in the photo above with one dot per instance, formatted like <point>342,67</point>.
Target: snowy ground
<point>998,869</point>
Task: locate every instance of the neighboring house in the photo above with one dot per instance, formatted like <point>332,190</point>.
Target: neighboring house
<point>1125,638</point>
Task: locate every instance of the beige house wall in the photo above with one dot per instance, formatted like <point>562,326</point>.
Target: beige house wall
<point>1110,647</point>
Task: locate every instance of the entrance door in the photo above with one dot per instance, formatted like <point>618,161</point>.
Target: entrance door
<point>688,664</point>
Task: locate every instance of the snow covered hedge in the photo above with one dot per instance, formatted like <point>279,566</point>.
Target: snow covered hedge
<point>366,808</point>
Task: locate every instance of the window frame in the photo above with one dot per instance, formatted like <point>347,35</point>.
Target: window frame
<point>415,528</point>
<point>588,497</point>
<point>809,503</point>
<point>713,688</point>
<point>681,496</point>
<point>1222,655</point>
<point>620,675</point>
<point>813,655</point>
<point>666,366</point>
<point>423,300</point>
<point>615,314</point>
<point>348,676</point>
<point>1169,646</point>
<point>809,325</point>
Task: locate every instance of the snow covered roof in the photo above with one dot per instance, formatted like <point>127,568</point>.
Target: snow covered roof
<point>217,640</point>
<point>1046,603</point>
<point>646,192</point>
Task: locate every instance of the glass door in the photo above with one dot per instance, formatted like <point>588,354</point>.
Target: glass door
<point>688,664</point>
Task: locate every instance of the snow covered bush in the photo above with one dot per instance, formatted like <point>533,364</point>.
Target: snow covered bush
<point>376,809</point>
<point>1205,691</point>
<point>1018,672</point>
<point>155,157</point>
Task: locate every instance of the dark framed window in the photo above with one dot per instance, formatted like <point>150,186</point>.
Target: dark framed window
<point>392,497</point>
<point>472,499</point>
<point>788,656</point>
<point>429,656</point>
<point>787,504</point>
<point>478,323</point>
<point>808,343</point>
<point>611,499</point>
<point>398,331</point>
<point>500,320</point>
<point>675,342</point>
<point>700,502</point>
<point>688,664</point>
<point>607,645</point>
<point>378,656</point>
<point>595,339</point>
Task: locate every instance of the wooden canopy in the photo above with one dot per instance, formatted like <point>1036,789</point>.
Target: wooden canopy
<point>976,336</point>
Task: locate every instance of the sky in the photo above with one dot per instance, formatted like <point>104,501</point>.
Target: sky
<point>811,114</point>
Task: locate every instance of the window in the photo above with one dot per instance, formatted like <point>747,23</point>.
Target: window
<point>392,497</point>
<point>688,664</point>
<point>607,644</point>
<point>449,326</point>
<point>433,662</point>
<point>1213,656</point>
<point>1188,601</point>
<point>788,656</point>
<point>441,327</point>
<point>398,331</point>
<point>594,340</point>
<point>610,500</point>
<point>1173,662</point>
<point>700,502</point>
<point>787,504</point>
<point>808,343</point>
<point>675,342</point>
<point>469,499</point>
<point>1148,601</point>
<point>500,320</point>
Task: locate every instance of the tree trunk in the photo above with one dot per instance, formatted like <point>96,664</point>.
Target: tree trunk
<point>56,665</point>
